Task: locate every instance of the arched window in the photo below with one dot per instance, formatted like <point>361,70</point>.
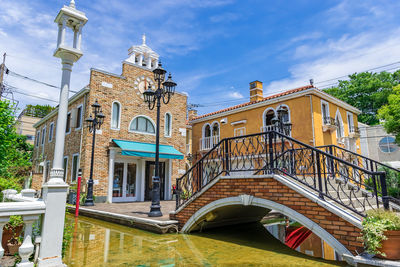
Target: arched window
<point>269,115</point>
<point>215,129</point>
<point>207,131</point>
<point>339,125</point>
<point>142,124</point>
<point>168,124</point>
<point>115,115</point>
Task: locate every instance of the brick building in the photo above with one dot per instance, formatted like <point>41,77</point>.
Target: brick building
<point>124,149</point>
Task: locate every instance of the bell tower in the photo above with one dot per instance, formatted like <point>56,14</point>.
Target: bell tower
<point>142,55</point>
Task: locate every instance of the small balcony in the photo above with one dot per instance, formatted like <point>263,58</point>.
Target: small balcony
<point>354,132</point>
<point>206,143</point>
<point>329,124</point>
<point>287,129</point>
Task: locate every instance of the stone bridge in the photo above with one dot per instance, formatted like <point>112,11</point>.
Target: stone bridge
<point>238,199</point>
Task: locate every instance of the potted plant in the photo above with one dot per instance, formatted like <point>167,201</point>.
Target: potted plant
<point>381,234</point>
<point>11,233</point>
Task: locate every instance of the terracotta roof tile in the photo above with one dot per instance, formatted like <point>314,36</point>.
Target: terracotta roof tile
<point>253,102</point>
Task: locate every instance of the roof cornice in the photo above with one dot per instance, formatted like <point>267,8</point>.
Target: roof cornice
<point>312,90</point>
<point>71,100</point>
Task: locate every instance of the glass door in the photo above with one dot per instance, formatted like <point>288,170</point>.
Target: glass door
<point>124,183</point>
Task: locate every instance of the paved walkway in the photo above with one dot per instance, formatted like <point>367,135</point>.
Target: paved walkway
<point>135,209</point>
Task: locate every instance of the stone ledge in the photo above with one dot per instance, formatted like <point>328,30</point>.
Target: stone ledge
<point>152,225</point>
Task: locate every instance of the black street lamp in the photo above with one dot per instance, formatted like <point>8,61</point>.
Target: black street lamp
<point>284,127</point>
<point>93,123</point>
<point>165,89</point>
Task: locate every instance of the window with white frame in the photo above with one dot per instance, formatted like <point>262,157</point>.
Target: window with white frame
<point>65,166</point>
<point>168,124</point>
<point>74,168</point>
<point>142,124</point>
<point>79,115</point>
<point>269,115</point>
<point>285,116</point>
<point>43,135</point>
<point>115,115</point>
<point>350,122</point>
<point>68,127</point>
<point>339,124</point>
<point>388,144</point>
<point>47,173</point>
<point>239,131</point>
<point>37,138</point>
<point>51,130</point>
<point>325,112</point>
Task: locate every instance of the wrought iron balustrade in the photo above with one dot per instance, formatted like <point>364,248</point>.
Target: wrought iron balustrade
<point>354,129</point>
<point>331,177</point>
<point>329,121</point>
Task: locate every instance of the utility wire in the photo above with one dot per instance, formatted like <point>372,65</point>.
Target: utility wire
<point>17,90</point>
<point>12,73</point>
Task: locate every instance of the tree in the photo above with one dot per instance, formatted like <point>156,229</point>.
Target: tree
<point>390,113</point>
<point>39,111</point>
<point>368,92</point>
<point>15,153</point>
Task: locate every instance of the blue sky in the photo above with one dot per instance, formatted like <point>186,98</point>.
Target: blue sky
<point>213,48</point>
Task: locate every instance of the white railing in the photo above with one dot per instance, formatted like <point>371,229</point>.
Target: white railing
<point>51,211</point>
<point>286,129</point>
<point>207,143</point>
<point>30,209</point>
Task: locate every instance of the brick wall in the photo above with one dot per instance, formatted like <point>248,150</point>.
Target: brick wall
<point>270,189</point>
<point>123,90</point>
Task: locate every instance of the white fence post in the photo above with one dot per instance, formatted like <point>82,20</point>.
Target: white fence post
<point>26,249</point>
<point>54,196</point>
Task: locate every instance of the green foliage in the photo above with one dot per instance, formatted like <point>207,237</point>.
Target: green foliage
<point>390,113</point>
<point>14,222</point>
<point>67,237</point>
<point>367,91</point>
<point>392,182</point>
<point>15,152</point>
<point>374,226</point>
<point>39,111</point>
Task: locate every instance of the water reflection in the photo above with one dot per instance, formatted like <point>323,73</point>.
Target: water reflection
<point>97,243</point>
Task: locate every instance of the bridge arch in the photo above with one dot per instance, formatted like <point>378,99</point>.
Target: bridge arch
<point>248,200</point>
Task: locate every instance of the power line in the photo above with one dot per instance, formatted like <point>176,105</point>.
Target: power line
<point>17,90</point>
<point>12,73</point>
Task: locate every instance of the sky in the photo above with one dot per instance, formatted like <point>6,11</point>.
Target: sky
<point>213,48</point>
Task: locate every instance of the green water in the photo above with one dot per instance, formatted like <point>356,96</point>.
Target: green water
<point>98,243</point>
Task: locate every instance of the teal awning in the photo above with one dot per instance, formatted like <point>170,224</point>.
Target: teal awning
<point>131,148</point>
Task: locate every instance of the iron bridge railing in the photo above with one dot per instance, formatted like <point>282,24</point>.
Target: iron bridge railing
<point>331,177</point>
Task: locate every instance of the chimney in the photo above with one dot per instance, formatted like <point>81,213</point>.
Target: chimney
<point>256,91</point>
<point>192,113</point>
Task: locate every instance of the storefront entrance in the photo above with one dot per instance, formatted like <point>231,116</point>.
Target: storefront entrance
<point>124,182</point>
<point>150,169</point>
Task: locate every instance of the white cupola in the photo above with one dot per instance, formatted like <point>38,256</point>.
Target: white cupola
<point>69,18</point>
<point>142,55</point>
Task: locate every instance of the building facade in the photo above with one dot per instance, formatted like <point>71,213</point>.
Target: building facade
<point>24,126</point>
<point>378,145</point>
<point>316,119</point>
<point>125,144</point>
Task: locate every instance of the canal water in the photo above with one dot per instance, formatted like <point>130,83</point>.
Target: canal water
<point>98,243</point>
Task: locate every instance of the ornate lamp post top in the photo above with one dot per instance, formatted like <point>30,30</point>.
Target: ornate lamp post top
<point>69,18</point>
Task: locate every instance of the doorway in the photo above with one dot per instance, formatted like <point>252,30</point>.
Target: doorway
<point>150,169</point>
<point>124,183</point>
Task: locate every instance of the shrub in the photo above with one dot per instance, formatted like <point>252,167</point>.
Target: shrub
<point>374,226</point>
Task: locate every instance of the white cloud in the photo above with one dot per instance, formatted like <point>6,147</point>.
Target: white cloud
<point>235,95</point>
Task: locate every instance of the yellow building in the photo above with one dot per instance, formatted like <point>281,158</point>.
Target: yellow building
<point>316,118</point>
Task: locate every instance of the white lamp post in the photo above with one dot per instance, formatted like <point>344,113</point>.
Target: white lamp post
<point>67,18</point>
<point>55,190</point>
